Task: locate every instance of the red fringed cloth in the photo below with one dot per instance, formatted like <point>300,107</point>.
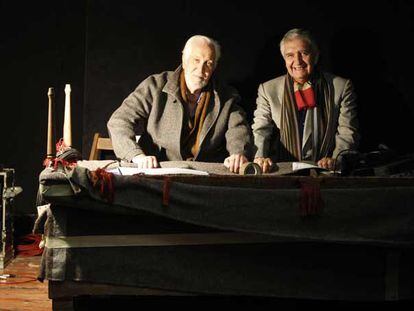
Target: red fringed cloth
<point>65,155</point>
<point>61,147</point>
<point>311,202</point>
<point>103,181</point>
<point>49,162</point>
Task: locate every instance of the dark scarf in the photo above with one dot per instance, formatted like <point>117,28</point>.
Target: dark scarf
<point>192,125</point>
<point>289,130</point>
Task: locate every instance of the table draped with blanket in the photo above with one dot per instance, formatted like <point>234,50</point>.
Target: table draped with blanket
<point>346,238</point>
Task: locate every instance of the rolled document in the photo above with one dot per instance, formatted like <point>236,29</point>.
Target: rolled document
<point>250,168</point>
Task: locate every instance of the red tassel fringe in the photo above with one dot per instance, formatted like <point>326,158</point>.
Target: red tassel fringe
<point>166,191</point>
<point>104,182</point>
<point>311,202</point>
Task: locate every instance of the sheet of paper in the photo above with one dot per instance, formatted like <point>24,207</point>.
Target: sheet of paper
<point>155,171</point>
<point>296,166</point>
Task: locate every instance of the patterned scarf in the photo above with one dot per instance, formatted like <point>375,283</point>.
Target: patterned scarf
<point>193,124</point>
<point>289,130</point>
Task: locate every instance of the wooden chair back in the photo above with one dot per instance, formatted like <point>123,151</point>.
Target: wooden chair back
<point>99,143</point>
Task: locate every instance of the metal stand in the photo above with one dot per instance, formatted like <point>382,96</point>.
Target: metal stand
<point>8,192</point>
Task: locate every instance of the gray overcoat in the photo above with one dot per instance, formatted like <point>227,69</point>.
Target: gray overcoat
<point>155,113</point>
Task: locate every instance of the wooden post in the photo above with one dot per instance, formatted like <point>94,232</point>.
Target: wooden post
<point>50,139</point>
<point>67,123</point>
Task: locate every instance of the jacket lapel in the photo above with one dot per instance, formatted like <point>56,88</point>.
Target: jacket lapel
<point>174,111</point>
<point>278,96</point>
<point>211,117</point>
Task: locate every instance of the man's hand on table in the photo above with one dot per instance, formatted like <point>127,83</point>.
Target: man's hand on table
<point>327,163</point>
<point>264,163</point>
<point>144,161</point>
<point>234,162</point>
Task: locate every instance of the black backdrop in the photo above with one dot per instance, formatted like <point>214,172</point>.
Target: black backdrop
<point>105,48</point>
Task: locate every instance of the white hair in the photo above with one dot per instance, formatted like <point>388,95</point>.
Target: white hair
<point>209,41</point>
<point>301,34</point>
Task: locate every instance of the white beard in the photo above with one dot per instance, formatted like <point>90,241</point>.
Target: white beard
<point>195,84</point>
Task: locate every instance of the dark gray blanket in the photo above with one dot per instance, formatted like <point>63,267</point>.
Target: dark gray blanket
<point>358,246</point>
<point>358,210</point>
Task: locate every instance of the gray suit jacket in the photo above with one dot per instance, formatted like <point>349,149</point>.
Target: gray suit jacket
<point>267,115</point>
<point>155,112</point>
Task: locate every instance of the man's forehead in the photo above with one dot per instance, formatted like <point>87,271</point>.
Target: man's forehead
<point>297,44</point>
<point>201,47</point>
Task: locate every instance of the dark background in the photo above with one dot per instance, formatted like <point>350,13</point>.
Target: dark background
<point>105,48</point>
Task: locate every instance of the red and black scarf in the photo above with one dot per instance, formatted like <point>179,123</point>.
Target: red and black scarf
<point>317,93</point>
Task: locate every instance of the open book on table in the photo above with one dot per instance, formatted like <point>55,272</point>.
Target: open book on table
<point>156,171</point>
<point>305,166</point>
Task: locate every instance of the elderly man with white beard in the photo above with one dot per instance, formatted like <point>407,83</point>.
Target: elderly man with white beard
<point>183,115</point>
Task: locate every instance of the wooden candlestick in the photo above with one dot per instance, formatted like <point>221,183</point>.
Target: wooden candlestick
<point>67,123</point>
<point>50,139</point>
